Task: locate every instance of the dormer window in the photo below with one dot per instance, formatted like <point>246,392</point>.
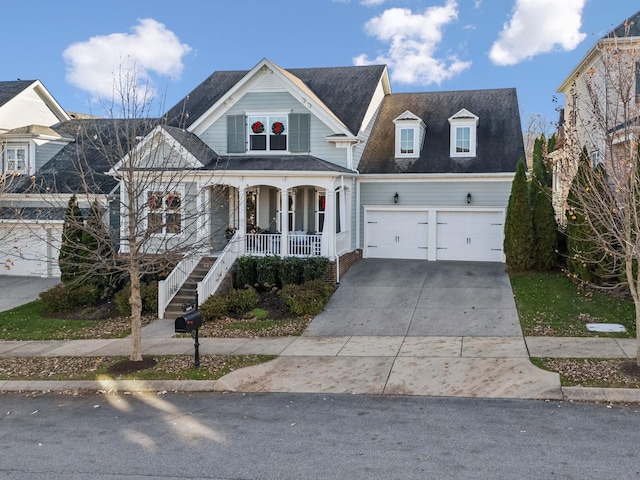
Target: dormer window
<point>15,159</point>
<point>464,125</point>
<point>410,133</point>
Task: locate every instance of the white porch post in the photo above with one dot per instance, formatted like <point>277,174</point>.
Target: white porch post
<point>284,222</point>
<point>330,222</point>
<point>242,219</point>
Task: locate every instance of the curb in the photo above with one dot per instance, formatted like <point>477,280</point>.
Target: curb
<point>595,394</point>
<point>571,394</point>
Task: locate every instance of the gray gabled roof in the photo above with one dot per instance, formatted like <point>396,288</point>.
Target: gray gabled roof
<point>628,28</point>
<point>9,89</point>
<point>192,143</point>
<point>81,165</point>
<point>499,134</point>
<point>346,91</point>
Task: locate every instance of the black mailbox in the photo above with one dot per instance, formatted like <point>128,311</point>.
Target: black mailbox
<point>188,322</point>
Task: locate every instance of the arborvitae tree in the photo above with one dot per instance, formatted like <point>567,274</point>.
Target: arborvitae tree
<point>98,255</point>
<point>518,241</point>
<point>70,257</point>
<point>545,231</point>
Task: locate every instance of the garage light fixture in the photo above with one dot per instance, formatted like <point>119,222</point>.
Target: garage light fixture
<point>396,197</point>
<point>469,197</point>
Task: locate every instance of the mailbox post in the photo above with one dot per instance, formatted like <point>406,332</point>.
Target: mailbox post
<point>190,322</point>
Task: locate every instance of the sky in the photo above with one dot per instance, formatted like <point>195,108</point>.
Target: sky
<point>74,47</point>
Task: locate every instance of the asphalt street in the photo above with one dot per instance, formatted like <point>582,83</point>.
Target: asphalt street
<point>297,436</point>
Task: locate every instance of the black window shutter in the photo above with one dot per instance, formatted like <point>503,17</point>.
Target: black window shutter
<point>299,132</point>
<point>236,130</point>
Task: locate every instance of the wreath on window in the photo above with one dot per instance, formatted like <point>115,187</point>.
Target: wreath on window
<point>257,127</point>
<point>277,128</point>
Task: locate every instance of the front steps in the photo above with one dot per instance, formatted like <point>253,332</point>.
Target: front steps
<point>187,293</point>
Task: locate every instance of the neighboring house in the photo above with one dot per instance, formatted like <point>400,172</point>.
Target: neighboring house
<point>321,162</point>
<point>27,142</point>
<point>609,71</point>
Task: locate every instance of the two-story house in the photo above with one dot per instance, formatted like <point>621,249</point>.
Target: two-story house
<point>601,107</point>
<point>321,161</point>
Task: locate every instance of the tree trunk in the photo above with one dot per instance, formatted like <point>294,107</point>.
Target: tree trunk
<point>136,314</point>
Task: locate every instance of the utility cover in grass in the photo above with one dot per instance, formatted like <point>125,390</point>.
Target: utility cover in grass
<point>605,327</point>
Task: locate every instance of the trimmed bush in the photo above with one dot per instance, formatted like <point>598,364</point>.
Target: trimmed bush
<point>518,227</point>
<point>267,271</point>
<point>214,308</point>
<point>308,298</point>
<point>291,271</point>
<point>240,301</point>
<point>65,297</point>
<point>245,272</point>
<point>148,294</point>
<point>314,268</point>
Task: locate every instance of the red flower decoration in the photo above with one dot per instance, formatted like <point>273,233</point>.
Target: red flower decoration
<point>277,128</point>
<point>257,127</point>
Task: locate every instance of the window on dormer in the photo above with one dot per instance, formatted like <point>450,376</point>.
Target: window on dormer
<point>464,125</point>
<point>15,159</point>
<point>407,141</point>
<point>410,133</point>
<point>463,139</point>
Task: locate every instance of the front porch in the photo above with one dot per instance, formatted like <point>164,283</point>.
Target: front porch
<point>286,220</point>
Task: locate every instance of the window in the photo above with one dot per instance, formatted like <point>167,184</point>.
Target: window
<point>407,145</point>
<point>164,212</point>
<point>15,159</point>
<point>321,206</point>
<point>410,133</point>
<point>267,132</point>
<point>464,126</point>
<point>463,139</point>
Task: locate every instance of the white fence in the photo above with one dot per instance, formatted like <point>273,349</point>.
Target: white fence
<point>168,287</point>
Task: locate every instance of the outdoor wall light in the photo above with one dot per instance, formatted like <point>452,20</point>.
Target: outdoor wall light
<point>396,197</point>
<point>469,197</point>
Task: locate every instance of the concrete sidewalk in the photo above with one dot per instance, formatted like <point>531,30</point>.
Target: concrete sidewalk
<point>489,367</point>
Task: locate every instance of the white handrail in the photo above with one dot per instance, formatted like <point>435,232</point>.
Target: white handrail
<point>214,277</point>
<point>168,287</point>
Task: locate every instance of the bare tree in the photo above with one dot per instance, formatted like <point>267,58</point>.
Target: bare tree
<point>160,193</point>
<point>603,122</point>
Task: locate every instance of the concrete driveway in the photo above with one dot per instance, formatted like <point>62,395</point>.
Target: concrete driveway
<point>17,291</point>
<point>383,297</point>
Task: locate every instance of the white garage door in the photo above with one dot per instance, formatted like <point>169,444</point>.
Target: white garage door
<point>396,234</point>
<point>476,236</point>
<point>29,251</point>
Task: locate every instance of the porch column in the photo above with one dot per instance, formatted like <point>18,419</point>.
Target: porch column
<point>284,222</point>
<point>329,230</point>
<point>242,220</point>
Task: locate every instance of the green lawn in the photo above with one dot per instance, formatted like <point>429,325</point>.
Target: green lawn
<point>549,304</point>
<point>26,322</point>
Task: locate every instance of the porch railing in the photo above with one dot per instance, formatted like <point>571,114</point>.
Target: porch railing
<point>213,279</point>
<point>300,245</point>
<point>168,287</point>
<point>263,244</point>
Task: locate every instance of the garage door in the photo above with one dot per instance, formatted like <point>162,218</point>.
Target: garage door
<point>396,234</point>
<point>28,251</point>
<point>475,236</point>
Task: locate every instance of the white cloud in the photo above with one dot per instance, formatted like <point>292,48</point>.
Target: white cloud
<point>413,40</point>
<point>538,26</point>
<point>371,3</point>
<point>151,49</point>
